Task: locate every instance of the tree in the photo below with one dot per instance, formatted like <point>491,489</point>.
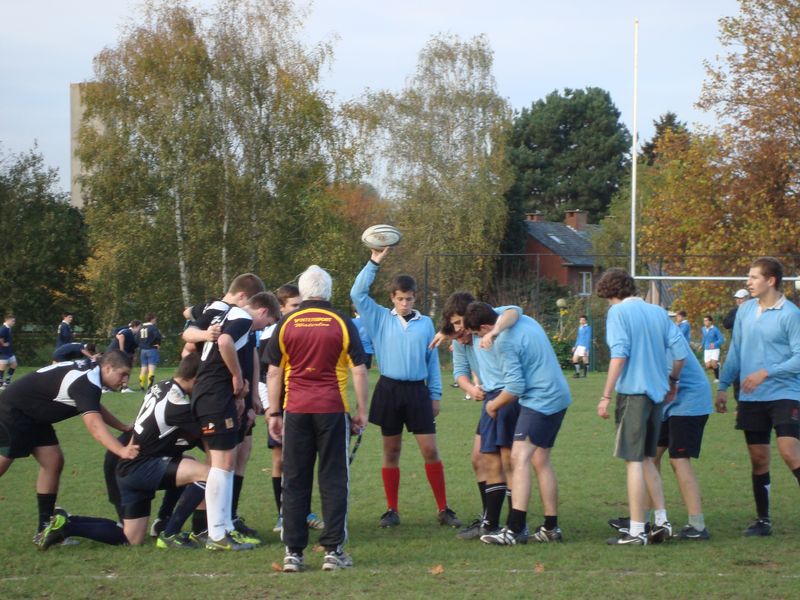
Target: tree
<point>208,145</point>
<point>444,152</point>
<point>568,152</point>
<point>666,122</point>
<point>44,246</point>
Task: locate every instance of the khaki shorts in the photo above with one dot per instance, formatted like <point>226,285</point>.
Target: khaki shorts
<point>638,421</point>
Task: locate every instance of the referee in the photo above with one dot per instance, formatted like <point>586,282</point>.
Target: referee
<point>311,350</point>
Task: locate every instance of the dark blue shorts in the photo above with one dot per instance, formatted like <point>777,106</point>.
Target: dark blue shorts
<point>139,479</point>
<point>539,428</point>
<point>149,357</point>
<point>21,434</point>
<point>497,433</point>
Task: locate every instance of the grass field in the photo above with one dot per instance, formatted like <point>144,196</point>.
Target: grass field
<point>420,558</point>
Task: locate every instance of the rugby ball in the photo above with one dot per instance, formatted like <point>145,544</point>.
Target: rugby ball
<point>378,237</point>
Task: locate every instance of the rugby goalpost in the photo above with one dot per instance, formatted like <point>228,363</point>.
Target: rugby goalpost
<point>634,144</point>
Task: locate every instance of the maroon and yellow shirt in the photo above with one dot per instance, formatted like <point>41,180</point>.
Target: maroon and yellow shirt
<point>315,346</point>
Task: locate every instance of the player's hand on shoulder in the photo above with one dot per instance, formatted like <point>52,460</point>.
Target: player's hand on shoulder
<point>437,340</point>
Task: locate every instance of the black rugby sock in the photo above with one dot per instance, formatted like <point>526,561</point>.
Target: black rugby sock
<point>238,482</point>
<point>9,375</point>
<point>190,499</point>
<point>716,372</point>
<point>761,494</point>
<point>517,520</point>
<point>100,530</point>
<point>495,495</point>
<point>550,523</point>
<point>276,490</point>
<point>199,521</point>
<point>796,473</point>
<point>46,504</point>
<point>169,501</point>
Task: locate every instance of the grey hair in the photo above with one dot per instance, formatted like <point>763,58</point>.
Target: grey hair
<point>315,282</point>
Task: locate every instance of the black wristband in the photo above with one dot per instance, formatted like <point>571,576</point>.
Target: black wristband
<point>276,414</point>
<point>674,379</point>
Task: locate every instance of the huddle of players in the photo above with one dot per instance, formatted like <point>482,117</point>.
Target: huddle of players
<point>524,395</point>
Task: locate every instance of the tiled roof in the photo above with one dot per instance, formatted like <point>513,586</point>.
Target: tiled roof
<point>574,246</point>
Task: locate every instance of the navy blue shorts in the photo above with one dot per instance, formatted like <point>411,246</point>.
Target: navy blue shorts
<point>149,357</point>
<point>539,428</point>
<point>398,403</point>
<point>139,479</point>
<point>497,433</point>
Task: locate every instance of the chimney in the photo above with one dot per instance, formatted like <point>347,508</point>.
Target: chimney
<point>576,219</point>
<point>534,216</point>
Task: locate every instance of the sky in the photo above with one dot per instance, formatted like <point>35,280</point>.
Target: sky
<point>539,46</point>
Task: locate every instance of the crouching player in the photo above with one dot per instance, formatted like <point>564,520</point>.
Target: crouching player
<point>531,373</point>
<point>30,406</point>
<point>159,465</point>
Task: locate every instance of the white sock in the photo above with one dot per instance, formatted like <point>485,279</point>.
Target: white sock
<point>660,515</point>
<point>228,500</point>
<point>637,528</point>
<point>218,504</point>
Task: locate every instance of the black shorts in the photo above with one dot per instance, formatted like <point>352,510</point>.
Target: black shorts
<point>398,403</point>
<point>539,428</point>
<point>20,434</point>
<point>139,479</point>
<point>220,431</point>
<point>682,435</point>
<point>757,419</point>
<point>497,433</point>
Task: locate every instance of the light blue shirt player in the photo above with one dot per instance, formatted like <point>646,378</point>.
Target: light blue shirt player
<point>694,391</point>
<point>485,363</point>
<point>584,337</point>
<point>641,333</point>
<point>401,347</point>
<point>712,335</point>
<point>530,368</point>
<point>768,339</point>
<point>686,330</point>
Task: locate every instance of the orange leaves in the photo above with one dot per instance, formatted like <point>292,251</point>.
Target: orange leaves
<point>436,570</point>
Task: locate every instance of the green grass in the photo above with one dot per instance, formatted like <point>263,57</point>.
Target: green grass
<point>398,563</point>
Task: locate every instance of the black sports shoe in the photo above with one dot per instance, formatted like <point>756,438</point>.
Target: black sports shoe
<point>389,519</point>
<point>628,540</point>
<point>506,537</point>
<point>239,525</point>
<point>759,528</point>
<point>691,533</point>
<point>622,524</point>
<point>53,533</point>
<point>660,533</point>
<point>448,517</point>
<point>547,535</point>
<point>474,530</point>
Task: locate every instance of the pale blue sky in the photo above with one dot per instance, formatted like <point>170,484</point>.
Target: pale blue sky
<point>539,46</point>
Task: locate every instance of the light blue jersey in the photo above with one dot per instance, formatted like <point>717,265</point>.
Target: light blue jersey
<point>770,340</point>
<point>584,337</point>
<point>686,330</point>
<point>366,342</point>
<point>694,391</point>
<point>401,347</point>
<point>642,334</point>
<point>530,368</point>
<point>712,335</point>
<point>485,363</point>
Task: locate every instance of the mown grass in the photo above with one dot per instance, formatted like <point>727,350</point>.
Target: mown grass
<point>419,558</point>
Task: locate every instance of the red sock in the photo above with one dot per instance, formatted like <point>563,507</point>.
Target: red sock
<point>391,485</point>
<point>435,473</point>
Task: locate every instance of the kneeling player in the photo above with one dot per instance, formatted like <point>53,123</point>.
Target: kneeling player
<point>159,465</point>
<point>531,373</point>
